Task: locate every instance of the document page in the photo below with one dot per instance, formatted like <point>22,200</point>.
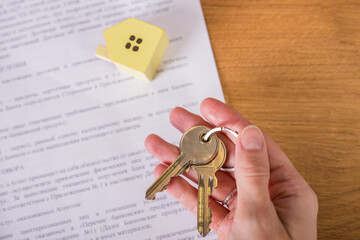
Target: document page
<point>72,127</point>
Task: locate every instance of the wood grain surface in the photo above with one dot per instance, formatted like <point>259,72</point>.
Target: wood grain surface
<point>293,68</point>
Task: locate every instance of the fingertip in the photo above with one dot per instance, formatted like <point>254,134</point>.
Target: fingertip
<point>175,115</point>
<point>149,138</point>
<point>252,138</point>
<point>221,114</point>
<point>182,119</point>
<point>208,103</point>
<point>159,169</point>
<point>175,112</point>
<point>210,108</point>
<point>149,142</point>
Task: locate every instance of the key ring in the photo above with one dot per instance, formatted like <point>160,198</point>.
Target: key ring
<point>219,129</point>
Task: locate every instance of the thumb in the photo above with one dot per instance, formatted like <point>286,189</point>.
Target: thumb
<point>252,171</point>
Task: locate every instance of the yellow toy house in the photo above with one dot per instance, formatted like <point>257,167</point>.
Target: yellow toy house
<point>135,47</point>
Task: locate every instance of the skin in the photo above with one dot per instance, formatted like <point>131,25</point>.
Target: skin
<point>273,200</point>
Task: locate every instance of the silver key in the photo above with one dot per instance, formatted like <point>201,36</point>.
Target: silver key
<point>193,151</point>
<point>207,181</point>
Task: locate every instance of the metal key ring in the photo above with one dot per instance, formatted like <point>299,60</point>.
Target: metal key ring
<point>219,129</point>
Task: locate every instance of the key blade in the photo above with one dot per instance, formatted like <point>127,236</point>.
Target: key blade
<point>207,181</point>
<point>175,169</point>
<point>204,211</point>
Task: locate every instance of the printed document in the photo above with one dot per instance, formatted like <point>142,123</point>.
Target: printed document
<point>72,127</point>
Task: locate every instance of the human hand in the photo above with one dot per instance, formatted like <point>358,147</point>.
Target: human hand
<point>273,201</point>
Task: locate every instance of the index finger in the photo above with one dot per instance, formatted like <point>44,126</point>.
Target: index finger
<point>220,114</point>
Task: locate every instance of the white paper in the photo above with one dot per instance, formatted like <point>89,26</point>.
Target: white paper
<point>72,128</point>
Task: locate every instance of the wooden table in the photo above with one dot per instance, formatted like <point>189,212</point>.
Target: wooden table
<point>293,68</point>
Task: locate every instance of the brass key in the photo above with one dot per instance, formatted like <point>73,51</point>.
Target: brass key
<point>207,181</point>
<point>193,151</point>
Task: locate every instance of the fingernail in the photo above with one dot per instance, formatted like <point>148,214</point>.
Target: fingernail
<point>252,138</point>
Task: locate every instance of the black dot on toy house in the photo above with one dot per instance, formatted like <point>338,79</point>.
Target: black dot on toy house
<point>135,48</point>
<point>139,40</point>
<point>132,38</point>
<point>128,45</point>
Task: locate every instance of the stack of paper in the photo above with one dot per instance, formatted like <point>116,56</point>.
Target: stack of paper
<point>72,128</point>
